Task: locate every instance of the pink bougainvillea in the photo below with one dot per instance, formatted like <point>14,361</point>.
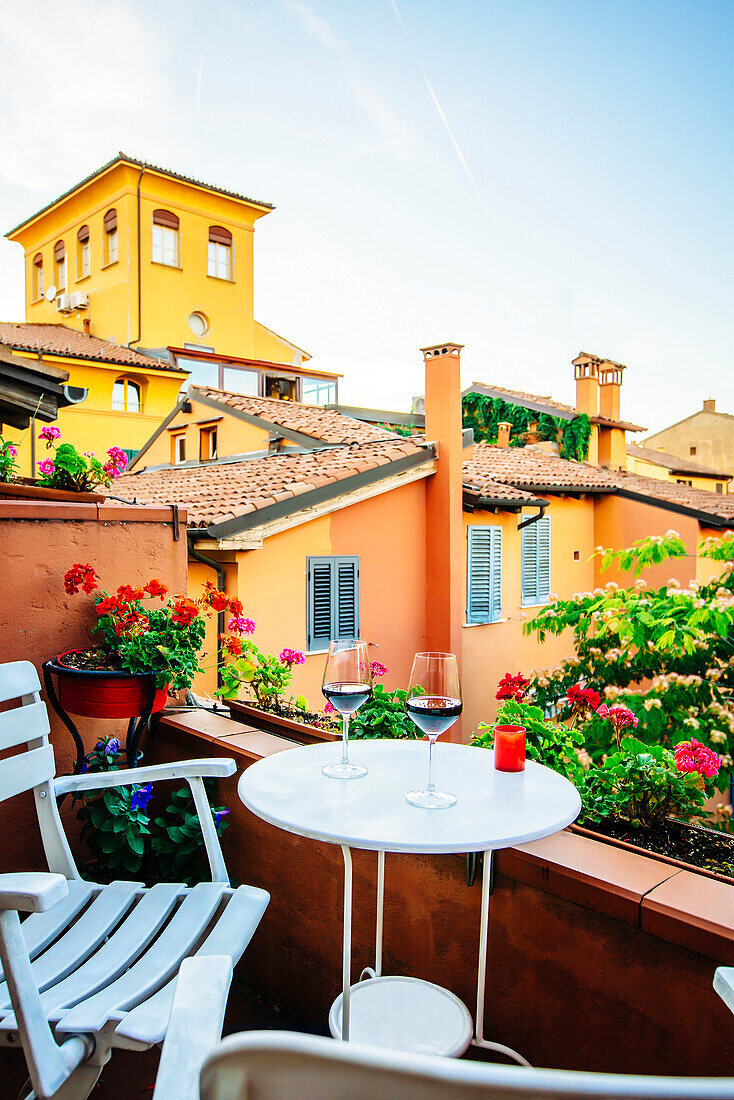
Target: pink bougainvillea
<point>692,756</point>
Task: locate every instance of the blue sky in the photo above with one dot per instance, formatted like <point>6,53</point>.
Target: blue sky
<point>529,177</point>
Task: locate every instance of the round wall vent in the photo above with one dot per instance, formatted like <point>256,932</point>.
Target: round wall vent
<point>198,323</point>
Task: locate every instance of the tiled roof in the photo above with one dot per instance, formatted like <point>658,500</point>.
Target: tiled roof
<point>314,421</point>
<point>536,470</point>
<point>216,492</point>
<point>122,158</point>
<point>673,463</point>
<point>547,405</point>
<point>61,340</point>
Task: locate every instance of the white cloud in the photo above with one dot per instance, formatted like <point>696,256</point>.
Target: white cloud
<point>78,81</point>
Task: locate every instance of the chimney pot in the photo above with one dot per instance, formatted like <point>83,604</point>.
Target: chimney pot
<point>503,433</point>
<point>87,326</point>
<point>438,351</point>
<point>709,405</point>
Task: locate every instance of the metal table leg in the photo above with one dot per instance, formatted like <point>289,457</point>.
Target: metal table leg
<point>479,1040</point>
<point>347,941</point>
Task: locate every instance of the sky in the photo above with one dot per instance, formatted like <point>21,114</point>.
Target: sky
<point>529,178</point>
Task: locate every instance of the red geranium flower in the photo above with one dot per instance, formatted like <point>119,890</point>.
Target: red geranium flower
<point>128,593</point>
<point>80,576</point>
<point>512,687</point>
<point>693,756</point>
<point>155,588</point>
<point>582,699</point>
<point>110,604</point>
<point>184,611</point>
<point>235,606</point>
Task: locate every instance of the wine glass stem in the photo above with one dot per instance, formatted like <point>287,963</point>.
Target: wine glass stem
<point>431,785</point>
<point>345,739</point>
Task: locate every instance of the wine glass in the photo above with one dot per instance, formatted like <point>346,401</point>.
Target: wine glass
<point>434,704</point>
<point>347,685</point>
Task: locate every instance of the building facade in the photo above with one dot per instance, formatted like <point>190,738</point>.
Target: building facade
<point>706,436</point>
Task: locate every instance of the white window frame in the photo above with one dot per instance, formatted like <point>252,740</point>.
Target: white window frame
<point>179,448</point>
<point>61,275</point>
<point>112,247</point>
<point>165,245</point>
<point>38,286</point>
<point>86,264</point>
<point>219,261</point>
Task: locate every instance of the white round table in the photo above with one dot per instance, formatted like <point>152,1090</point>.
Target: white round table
<point>493,810</point>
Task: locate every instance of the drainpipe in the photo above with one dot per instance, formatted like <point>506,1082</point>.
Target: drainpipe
<point>140,303</point>
<point>218,567</point>
<point>533,519</point>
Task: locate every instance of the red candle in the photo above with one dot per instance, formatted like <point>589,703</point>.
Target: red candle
<point>509,748</point>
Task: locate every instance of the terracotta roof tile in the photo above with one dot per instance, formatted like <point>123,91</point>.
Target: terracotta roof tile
<point>319,423</point>
<point>673,462</point>
<point>61,340</point>
<point>535,470</point>
<point>212,492</point>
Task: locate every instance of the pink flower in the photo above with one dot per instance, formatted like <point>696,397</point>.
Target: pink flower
<point>112,471</point>
<point>328,709</point>
<point>692,756</point>
<point>377,669</point>
<point>240,625</point>
<point>292,657</point>
<point>620,717</point>
<point>46,467</point>
<point>11,450</point>
<point>49,433</point>
<point>118,457</point>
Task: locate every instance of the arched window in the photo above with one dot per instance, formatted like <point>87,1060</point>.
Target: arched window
<point>110,233</point>
<point>37,276</point>
<point>60,265</point>
<point>83,266</point>
<point>219,264</point>
<point>126,396</point>
<point>165,238</point>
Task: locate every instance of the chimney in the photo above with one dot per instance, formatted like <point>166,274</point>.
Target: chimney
<point>87,325</point>
<point>586,373</point>
<point>610,390</point>
<point>709,405</point>
<point>444,607</point>
<point>503,433</point>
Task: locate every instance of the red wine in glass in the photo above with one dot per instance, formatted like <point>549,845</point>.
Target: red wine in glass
<point>347,685</point>
<point>434,704</point>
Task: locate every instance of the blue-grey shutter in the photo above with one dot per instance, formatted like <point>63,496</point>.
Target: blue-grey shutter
<point>319,603</point>
<point>484,574</point>
<point>347,598</point>
<point>536,562</point>
<point>332,601</point>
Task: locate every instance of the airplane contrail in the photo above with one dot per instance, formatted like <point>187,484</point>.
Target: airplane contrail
<point>439,108</point>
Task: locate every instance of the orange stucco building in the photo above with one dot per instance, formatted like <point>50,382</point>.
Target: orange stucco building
<point>324,525</point>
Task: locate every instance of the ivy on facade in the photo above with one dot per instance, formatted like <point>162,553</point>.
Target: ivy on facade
<point>484,414</point>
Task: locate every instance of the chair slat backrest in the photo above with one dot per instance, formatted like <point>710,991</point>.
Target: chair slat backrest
<point>26,770</point>
<point>18,679</point>
<point>23,724</point>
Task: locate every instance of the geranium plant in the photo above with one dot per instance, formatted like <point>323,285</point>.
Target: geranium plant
<point>8,455</point>
<point>264,674</point>
<point>67,469</point>
<point>141,629</point>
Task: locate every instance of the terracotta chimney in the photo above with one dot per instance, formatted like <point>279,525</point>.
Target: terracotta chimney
<point>610,390</point>
<point>586,373</point>
<point>444,607</point>
<point>503,433</point>
<point>87,325</point>
<point>709,405</point>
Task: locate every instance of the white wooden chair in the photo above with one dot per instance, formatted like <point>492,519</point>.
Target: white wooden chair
<point>94,967</point>
<point>271,1065</point>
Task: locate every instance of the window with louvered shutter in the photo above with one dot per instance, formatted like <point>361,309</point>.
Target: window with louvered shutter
<point>536,562</point>
<point>332,601</point>
<point>484,574</point>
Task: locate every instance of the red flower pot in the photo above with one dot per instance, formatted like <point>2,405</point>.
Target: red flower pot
<point>103,694</point>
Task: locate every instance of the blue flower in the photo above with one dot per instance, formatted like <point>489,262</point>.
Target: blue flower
<point>218,815</point>
<point>111,746</point>
<point>141,796</point>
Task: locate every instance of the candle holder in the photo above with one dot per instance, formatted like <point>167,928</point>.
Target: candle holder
<point>509,748</point>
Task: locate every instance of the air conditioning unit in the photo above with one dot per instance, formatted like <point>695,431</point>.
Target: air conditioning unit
<point>63,303</point>
<point>79,300</point>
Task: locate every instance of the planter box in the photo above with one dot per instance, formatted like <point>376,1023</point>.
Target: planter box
<point>627,846</point>
<point>28,490</point>
<point>273,723</point>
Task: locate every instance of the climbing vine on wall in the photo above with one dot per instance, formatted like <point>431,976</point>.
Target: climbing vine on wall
<point>484,414</point>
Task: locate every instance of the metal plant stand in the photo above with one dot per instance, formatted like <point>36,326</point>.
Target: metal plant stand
<point>135,726</point>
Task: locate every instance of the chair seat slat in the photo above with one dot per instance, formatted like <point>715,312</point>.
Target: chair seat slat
<point>230,936</point>
<point>41,929</point>
<point>81,939</point>
<point>154,968</point>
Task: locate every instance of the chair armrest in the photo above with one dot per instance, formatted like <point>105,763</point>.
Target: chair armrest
<point>183,769</point>
<point>31,891</point>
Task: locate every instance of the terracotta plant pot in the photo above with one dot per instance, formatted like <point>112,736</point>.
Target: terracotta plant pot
<point>25,489</point>
<point>273,723</point>
<point>100,693</point>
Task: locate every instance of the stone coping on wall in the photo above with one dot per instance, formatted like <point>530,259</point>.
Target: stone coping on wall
<point>689,910</point>
<point>108,512</point>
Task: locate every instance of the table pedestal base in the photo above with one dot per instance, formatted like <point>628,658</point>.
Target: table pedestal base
<point>405,1014</point>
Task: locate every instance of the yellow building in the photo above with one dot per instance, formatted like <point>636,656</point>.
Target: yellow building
<point>705,436</point>
<point>157,270</point>
<point>657,462</point>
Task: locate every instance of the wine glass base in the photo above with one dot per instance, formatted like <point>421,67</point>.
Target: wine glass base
<point>344,771</point>
<point>431,800</point>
